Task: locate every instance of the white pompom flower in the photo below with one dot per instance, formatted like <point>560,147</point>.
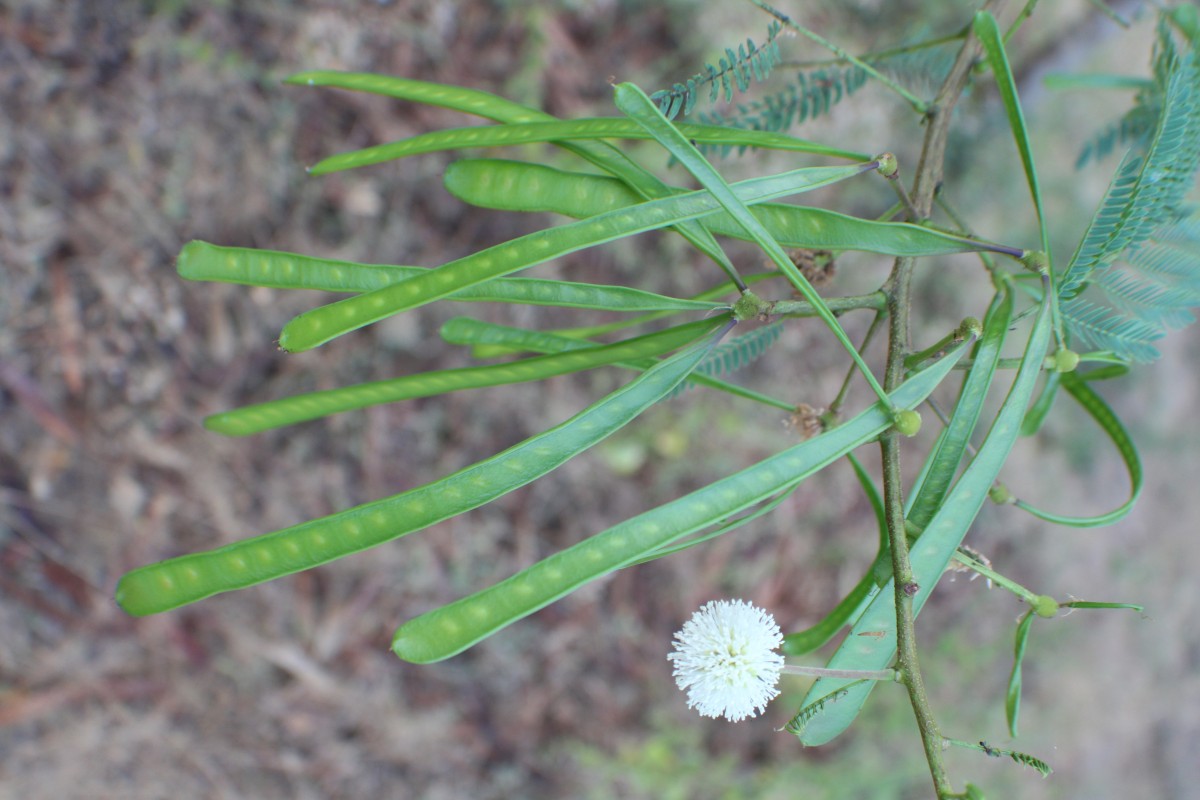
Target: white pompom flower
<point>725,659</point>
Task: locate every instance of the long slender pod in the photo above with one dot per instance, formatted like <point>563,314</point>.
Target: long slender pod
<point>988,32</point>
<point>464,330</point>
<point>484,104</point>
<point>321,324</point>
<point>929,556</point>
<point>186,579</point>
<point>201,261</point>
<point>931,485</point>
<point>520,186</point>
<point>451,629</point>
<point>633,101</point>
<point>815,636</point>
<point>1108,421</point>
<point>567,130</point>
<point>313,405</point>
<point>947,456</point>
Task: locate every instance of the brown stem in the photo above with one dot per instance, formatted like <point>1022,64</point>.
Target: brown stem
<point>899,287</point>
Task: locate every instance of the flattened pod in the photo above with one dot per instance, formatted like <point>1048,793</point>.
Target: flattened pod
<point>179,581</point>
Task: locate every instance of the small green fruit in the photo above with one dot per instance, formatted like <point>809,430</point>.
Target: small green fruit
<point>1036,261</point>
<point>1065,360</point>
<point>907,422</point>
<point>751,306</point>
<point>1045,606</point>
<point>1000,495</point>
<point>888,166</point>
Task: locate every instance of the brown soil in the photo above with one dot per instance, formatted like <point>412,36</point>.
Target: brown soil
<point>131,128</point>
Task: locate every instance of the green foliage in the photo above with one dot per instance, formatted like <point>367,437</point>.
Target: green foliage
<point>1134,306</point>
<point>1139,261</point>
<point>798,724</point>
<point>1012,702</point>
<point>871,643</point>
<point>732,356</point>
<point>1151,290</point>
<point>1023,759</point>
<point>1131,130</point>
<point>452,628</point>
<point>750,63</point>
<point>1135,126</point>
<point>810,94</point>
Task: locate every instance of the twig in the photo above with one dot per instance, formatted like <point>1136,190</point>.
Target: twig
<point>899,288</point>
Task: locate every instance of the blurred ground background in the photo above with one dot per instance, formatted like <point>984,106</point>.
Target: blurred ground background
<point>129,128</point>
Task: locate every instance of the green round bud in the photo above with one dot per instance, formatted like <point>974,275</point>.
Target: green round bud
<point>751,306</point>
<point>970,328</point>
<point>907,422</point>
<point>888,166</point>
<point>1045,606</point>
<point>1000,495</point>
<point>1036,261</point>
<point>1065,360</point>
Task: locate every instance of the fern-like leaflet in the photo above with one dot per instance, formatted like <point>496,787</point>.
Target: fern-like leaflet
<point>750,63</point>
<point>810,95</point>
<point>1152,291</point>
<point>1133,129</point>
<point>798,723</point>
<point>731,356</point>
<point>815,92</point>
<point>1030,761</point>
<point>1033,762</point>
<point>1142,211</point>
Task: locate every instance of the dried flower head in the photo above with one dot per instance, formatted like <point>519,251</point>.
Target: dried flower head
<point>725,659</point>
